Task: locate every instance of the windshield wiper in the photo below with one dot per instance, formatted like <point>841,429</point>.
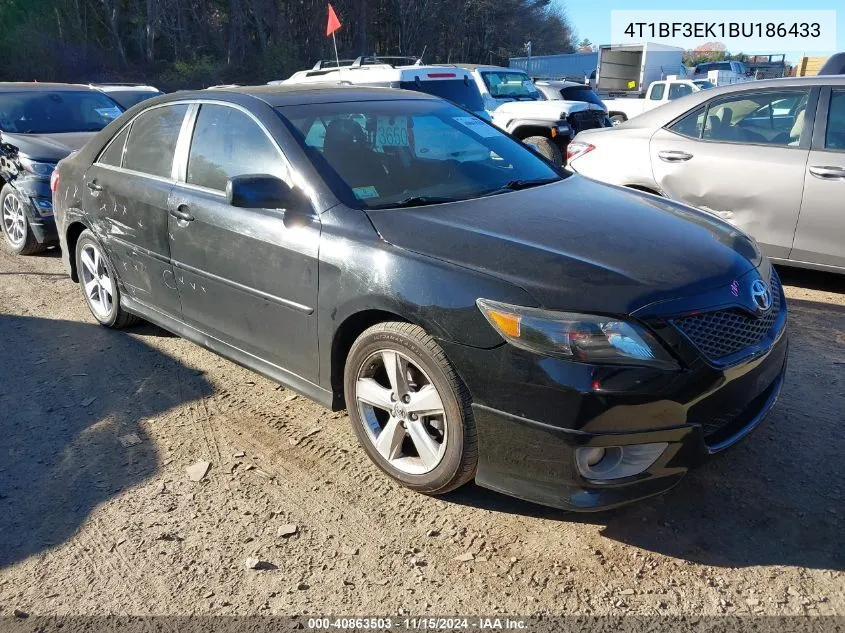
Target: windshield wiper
<point>516,185</point>
<point>414,201</point>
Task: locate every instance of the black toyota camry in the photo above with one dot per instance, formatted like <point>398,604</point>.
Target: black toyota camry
<point>479,313</point>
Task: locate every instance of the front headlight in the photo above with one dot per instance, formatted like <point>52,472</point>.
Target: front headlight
<point>586,338</point>
<point>34,167</point>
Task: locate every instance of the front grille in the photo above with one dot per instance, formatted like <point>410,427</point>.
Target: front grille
<point>726,332</point>
<point>586,120</point>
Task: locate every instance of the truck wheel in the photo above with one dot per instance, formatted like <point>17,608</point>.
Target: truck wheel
<point>616,119</point>
<point>546,147</point>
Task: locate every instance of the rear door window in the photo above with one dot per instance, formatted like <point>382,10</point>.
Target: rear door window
<point>152,140</point>
<point>114,152</point>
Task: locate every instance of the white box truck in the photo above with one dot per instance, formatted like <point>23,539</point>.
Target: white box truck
<point>628,70</point>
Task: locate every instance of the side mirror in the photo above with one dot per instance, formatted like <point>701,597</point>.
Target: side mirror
<point>261,191</point>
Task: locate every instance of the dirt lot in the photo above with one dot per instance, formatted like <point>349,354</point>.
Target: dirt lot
<point>89,526</point>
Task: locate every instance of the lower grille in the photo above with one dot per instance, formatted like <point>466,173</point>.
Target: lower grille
<point>586,120</point>
<point>726,332</point>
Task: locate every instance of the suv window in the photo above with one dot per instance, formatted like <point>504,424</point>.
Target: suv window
<point>114,153</point>
<point>657,91</point>
<point>510,85</point>
<point>463,93</point>
<point>229,143</point>
<point>676,91</point>
<point>835,137</point>
<point>152,140</point>
<point>691,125</point>
<point>580,93</point>
<point>771,118</point>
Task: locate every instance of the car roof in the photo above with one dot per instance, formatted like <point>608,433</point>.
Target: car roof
<point>124,86</point>
<point>37,86</point>
<point>300,94</point>
<point>560,83</point>
<point>665,113</point>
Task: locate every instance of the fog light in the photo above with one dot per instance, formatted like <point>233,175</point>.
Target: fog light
<point>617,462</point>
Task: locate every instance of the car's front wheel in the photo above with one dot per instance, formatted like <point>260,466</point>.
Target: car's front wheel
<point>98,282</point>
<point>16,231</point>
<point>409,409</point>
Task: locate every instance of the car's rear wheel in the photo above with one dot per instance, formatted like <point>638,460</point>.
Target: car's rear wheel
<point>409,409</point>
<point>16,230</point>
<point>617,119</point>
<point>98,282</point>
<point>546,147</point>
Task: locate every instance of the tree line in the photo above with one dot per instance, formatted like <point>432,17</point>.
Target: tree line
<point>196,43</point>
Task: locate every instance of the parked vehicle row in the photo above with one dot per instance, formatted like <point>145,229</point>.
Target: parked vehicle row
<point>479,312</point>
<point>767,156</point>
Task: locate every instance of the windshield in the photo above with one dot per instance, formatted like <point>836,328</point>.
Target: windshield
<point>503,84</point>
<point>37,112</point>
<point>390,154</point>
<point>580,93</point>
<point>128,98</point>
<point>703,84</point>
<point>463,93</point>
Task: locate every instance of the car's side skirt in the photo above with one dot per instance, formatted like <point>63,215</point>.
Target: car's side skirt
<point>242,358</point>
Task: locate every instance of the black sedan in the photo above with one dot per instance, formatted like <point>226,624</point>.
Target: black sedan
<point>479,313</point>
<point>41,123</point>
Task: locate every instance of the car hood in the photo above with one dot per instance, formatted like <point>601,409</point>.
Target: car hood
<point>551,109</point>
<point>48,147</point>
<point>579,245</point>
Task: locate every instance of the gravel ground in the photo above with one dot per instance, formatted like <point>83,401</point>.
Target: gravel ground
<point>98,514</point>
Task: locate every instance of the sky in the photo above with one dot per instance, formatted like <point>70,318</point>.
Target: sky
<point>591,18</point>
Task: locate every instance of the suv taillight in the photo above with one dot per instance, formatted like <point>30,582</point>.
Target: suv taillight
<point>54,180</point>
<point>577,148</point>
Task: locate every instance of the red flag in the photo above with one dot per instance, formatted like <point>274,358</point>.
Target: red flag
<point>334,23</point>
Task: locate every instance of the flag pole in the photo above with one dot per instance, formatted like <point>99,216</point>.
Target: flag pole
<point>336,56</point>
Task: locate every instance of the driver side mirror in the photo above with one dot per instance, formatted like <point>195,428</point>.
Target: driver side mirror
<point>261,191</point>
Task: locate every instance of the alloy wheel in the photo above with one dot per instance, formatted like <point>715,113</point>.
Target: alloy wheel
<point>98,285</point>
<point>14,220</point>
<point>402,412</point>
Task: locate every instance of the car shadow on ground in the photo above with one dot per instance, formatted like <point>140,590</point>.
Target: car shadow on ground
<point>774,499</point>
<point>70,391</point>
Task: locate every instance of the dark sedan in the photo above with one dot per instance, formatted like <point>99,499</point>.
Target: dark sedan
<point>41,123</point>
<point>479,313</point>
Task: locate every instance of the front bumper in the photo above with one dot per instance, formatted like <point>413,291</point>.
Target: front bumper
<point>528,450</point>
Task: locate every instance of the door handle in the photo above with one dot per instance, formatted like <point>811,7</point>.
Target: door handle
<point>827,172</point>
<point>94,187</point>
<point>672,156</point>
<point>181,213</point>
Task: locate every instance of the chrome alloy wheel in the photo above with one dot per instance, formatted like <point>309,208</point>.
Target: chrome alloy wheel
<point>14,220</point>
<point>99,287</point>
<point>402,412</point>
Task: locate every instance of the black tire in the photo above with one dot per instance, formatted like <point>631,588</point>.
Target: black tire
<point>28,245</point>
<point>547,148</point>
<point>460,457</point>
<point>116,317</point>
<point>616,119</point>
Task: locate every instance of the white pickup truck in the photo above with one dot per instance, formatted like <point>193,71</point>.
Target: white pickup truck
<point>659,92</point>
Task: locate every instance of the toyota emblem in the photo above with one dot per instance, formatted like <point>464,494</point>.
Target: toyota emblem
<point>761,295</point>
